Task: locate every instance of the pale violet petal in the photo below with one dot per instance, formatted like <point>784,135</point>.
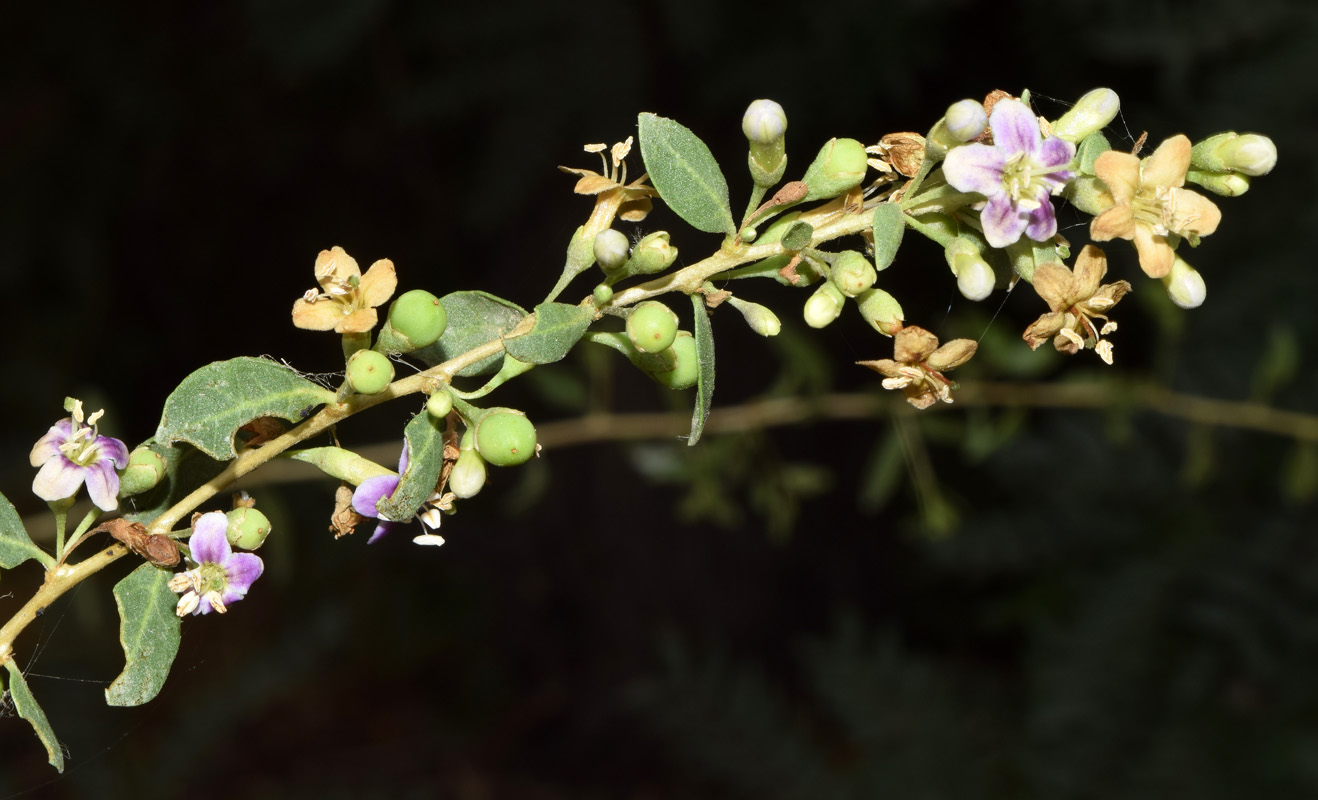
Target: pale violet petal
<point>112,449</point>
<point>242,570</point>
<point>1042,223</point>
<point>1015,128</point>
<point>372,491</point>
<point>975,168</point>
<point>1002,221</point>
<point>209,542</point>
<point>47,447</point>
<point>1055,152</point>
<point>103,485</point>
<point>58,479</point>
<point>380,530</point>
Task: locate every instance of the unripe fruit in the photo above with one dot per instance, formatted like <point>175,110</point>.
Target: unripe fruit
<point>468,475</point>
<point>611,249</point>
<point>439,404</point>
<point>369,372</point>
<point>602,294</point>
<point>652,254</point>
<point>146,468</point>
<point>652,327</point>
<point>418,317</point>
<point>247,528</point>
<point>852,273</point>
<point>505,437</point>
<point>686,365</point>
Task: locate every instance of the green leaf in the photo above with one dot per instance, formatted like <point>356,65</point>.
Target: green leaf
<point>211,404</point>
<point>148,632</point>
<point>558,327</point>
<point>889,225</point>
<point>474,318</point>
<point>15,545</point>
<point>704,334</point>
<point>685,174</point>
<point>186,468</point>
<point>425,459</point>
<point>26,706</point>
<point>798,236</point>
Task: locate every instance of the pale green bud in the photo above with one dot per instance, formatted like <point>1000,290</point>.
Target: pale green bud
<point>965,120</point>
<point>1185,286</point>
<point>652,254</point>
<point>611,248</point>
<point>439,404</point>
<point>1226,184</point>
<point>146,469</point>
<point>852,273</point>
<point>762,320</point>
<point>1250,154</point>
<point>1091,113</point>
<point>839,167</point>
<point>764,122</point>
<point>824,306</point>
<point>468,475</point>
<point>881,310</point>
<point>602,294</point>
<point>974,276</point>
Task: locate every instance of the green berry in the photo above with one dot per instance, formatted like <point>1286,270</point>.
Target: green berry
<point>418,317</point>
<point>853,273</point>
<point>839,167</point>
<point>369,372</point>
<point>602,294</point>
<point>439,404</point>
<point>247,528</point>
<point>146,468</point>
<point>686,366</point>
<point>505,437</point>
<point>652,254</point>
<point>652,327</point>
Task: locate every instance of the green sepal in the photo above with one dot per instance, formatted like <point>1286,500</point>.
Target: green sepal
<point>558,327</point>
<point>211,404</point>
<point>685,174</point>
<point>425,459</point>
<point>15,545</point>
<point>148,632</point>
<point>474,318</point>
<point>704,334</point>
<point>26,706</point>
<point>889,226</point>
<point>1088,151</point>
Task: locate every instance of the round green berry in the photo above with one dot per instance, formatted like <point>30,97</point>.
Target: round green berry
<point>652,327</point>
<point>686,366</point>
<point>369,372</point>
<point>505,437</point>
<point>439,404</point>
<point>247,528</point>
<point>602,294</point>
<point>418,317</point>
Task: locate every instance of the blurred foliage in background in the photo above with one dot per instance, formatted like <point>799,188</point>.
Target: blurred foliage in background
<point>999,599</point>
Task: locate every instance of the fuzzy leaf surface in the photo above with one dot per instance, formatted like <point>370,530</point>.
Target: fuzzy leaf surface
<point>474,318</point>
<point>186,468</point>
<point>15,545</point>
<point>148,632</point>
<point>558,328</point>
<point>211,404</point>
<point>26,706</point>
<point>704,334</point>
<point>425,442</point>
<point>684,172</point>
<point>889,226</point>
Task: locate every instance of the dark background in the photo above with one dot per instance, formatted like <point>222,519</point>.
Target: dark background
<point>1079,604</point>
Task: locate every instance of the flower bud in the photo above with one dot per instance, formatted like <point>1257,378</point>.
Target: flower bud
<point>369,372</point>
<point>505,437</point>
<point>965,120</point>
<point>1226,184</point>
<point>439,404</point>
<point>852,273</point>
<point>146,468</point>
<point>1185,286</point>
<point>416,319</point>
<point>652,327</point>
<point>839,168</point>
<point>611,248</point>
<point>1250,154</point>
<point>765,124</point>
<point>881,310</point>
<point>652,254</point>
<point>974,276</point>
<point>602,294</point>
<point>1089,194</point>
<point>685,365</point>
<point>762,320</point>
<point>1091,113</point>
<point>824,306</point>
<point>468,475</point>
<point>247,528</point>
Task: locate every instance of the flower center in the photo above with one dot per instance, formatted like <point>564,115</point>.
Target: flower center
<point>81,448</point>
<point>1020,182</point>
<point>211,578</point>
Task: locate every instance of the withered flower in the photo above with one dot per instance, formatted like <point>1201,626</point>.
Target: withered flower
<point>918,365</point>
<point>348,298</point>
<point>1076,299</point>
<point>629,202</point>
<point>1151,205</point>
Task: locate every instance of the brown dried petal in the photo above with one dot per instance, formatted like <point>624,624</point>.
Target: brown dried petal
<point>594,184</point>
<point>344,519</point>
<point>952,355</point>
<point>920,396</point>
<point>1121,173</point>
<point>1117,222</point>
<point>913,344</point>
<point>323,314</point>
<point>335,266</point>
<point>1055,284</point>
<point>161,551</point>
<point>359,321</point>
<point>1044,328</point>
<point>1109,294</point>
<point>1090,267</point>
<point>378,284</point>
<point>635,210</point>
<point>884,366</point>
<point>1191,214</point>
<point>1167,165</point>
<point>905,151</point>
<point>1156,256</point>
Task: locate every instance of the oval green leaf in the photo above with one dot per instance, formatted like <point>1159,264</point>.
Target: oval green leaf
<point>704,334</point>
<point>26,706</point>
<point>211,404</point>
<point>425,459</point>
<point>798,236</point>
<point>148,632</point>
<point>684,172</point>
<point>558,327</point>
<point>474,318</point>
<point>15,545</point>
<point>889,225</point>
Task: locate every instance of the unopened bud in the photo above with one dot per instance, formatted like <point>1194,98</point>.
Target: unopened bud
<point>965,120</point>
<point>652,254</point>
<point>762,320</point>
<point>852,273</point>
<point>1185,286</point>
<point>602,294</point>
<point>839,167</point>
<point>881,310</point>
<point>1226,184</point>
<point>611,249</point>
<point>1091,113</point>
<point>439,404</point>
<point>468,475</point>
<point>824,306</point>
<point>146,468</point>
<point>974,276</point>
<point>764,122</point>
<point>1250,154</point>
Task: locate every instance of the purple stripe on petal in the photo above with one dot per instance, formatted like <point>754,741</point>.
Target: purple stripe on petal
<point>372,491</point>
<point>47,447</point>
<point>975,168</point>
<point>380,531</point>
<point>103,485</point>
<point>112,449</point>
<point>58,479</point>
<point>1043,223</point>
<point>1055,152</point>
<point>242,570</point>
<point>209,542</point>
<point>1015,128</point>
<point>1003,223</point>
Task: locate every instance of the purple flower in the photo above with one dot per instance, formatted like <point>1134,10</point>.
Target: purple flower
<point>372,491</point>
<point>72,453</point>
<point>221,577</point>
<point>1016,175</point>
